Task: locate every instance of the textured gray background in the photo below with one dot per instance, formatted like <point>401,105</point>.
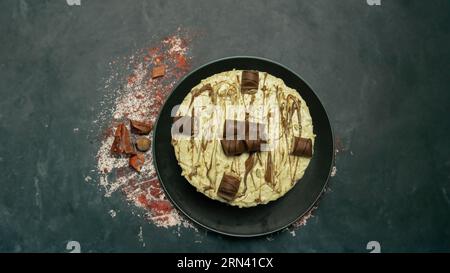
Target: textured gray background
<point>382,73</point>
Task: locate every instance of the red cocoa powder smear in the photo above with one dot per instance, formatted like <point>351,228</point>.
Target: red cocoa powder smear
<point>141,99</point>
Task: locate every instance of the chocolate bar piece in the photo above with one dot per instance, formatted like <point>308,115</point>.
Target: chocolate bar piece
<point>232,144</point>
<point>302,147</point>
<point>228,187</point>
<point>253,136</point>
<point>253,146</point>
<point>249,81</point>
<point>233,147</point>
<point>240,137</point>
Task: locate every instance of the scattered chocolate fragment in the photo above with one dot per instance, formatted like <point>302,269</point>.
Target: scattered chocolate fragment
<point>158,71</point>
<point>137,161</point>
<point>122,142</point>
<point>184,121</point>
<point>143,144</point>
<point>302,147</point>
<point>229,186</point>
<point>141,127</point>
<point>250,81</point>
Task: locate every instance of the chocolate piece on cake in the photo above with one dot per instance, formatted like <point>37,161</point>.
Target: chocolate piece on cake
<point>233,147</point>
<point>233,138</point>
<point>254,136</point>
<point>302,147</point>
<point>249,81</point>
<point>242,136</point>
<point>229,186</point>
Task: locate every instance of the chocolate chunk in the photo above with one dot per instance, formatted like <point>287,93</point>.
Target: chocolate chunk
<point>143,144</point>
<point>228,187</point>
<point>254,136</point>
<point>184,121</point>
<point>232,143</point>
<point>253,145</point>
<point>141,127</point>
<point>302,147</point>
<point>158,71</point>
<point>122,141</point>
<point>249,82</point>
<point>137,161</point>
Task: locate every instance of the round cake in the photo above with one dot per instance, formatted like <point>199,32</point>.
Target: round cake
<point>243,137</point>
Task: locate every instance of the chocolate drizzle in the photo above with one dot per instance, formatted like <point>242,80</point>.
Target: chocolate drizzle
<point>268,176</point>
<point>198,92</point>
<point>213,159</point>
<point>249,164</point>
<point>295,106</point>
<point>264,88</point>
<point>190,124</point>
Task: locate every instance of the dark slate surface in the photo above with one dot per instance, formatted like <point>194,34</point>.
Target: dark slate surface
<point>382,73</point>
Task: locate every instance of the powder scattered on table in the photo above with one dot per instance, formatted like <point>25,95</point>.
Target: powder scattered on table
<point>133,106</point>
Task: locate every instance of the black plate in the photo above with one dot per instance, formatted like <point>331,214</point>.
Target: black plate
<point>218,216</point>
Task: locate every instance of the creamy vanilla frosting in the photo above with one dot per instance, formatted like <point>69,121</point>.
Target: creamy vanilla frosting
<point>265,175</point>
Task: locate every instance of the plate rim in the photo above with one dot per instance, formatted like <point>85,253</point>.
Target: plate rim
<point>175,204</point>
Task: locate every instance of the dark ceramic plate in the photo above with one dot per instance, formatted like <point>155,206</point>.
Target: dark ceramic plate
<point>226,219</point>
